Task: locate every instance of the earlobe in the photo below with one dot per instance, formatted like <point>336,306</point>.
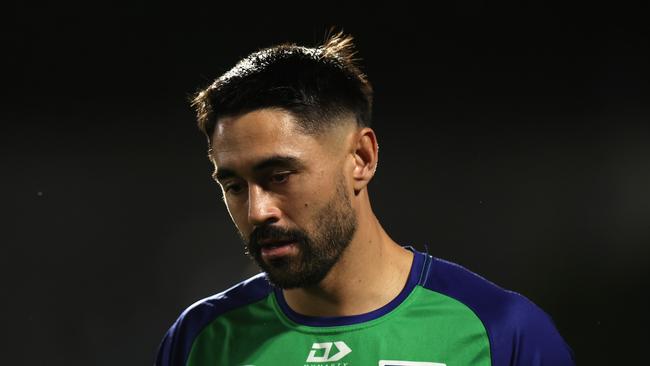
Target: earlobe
<point>365,158</point>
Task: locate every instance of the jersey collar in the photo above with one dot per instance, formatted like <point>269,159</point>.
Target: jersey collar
<point>415,277</point>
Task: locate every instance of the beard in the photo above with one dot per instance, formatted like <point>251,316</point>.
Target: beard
<point>318,251</point>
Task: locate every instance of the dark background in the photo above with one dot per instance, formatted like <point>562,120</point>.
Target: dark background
<point>514,140</point>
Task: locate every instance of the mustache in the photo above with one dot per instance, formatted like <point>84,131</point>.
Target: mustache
<point>274,233</point>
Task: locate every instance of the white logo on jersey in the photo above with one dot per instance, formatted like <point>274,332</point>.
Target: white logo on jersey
<point>408,363</point>
<point>327,346</point>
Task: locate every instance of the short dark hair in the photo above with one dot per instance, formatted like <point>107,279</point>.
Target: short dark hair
<point>316,85</point>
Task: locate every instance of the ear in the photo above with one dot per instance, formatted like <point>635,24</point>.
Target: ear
<point>366,153</point>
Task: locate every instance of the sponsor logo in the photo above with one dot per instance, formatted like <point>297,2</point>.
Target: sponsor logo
<point>320,352</point>
<point>408,363</point>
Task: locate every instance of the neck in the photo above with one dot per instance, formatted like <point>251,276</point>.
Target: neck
<point>371,272</point>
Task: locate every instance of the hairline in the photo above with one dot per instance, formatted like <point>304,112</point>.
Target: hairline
<point>298,124</point>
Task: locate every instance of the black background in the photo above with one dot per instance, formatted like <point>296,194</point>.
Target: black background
<point>514,140</point>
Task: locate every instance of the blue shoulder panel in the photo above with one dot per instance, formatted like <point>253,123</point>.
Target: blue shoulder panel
<point>175,347</point>
<point>520,333</point>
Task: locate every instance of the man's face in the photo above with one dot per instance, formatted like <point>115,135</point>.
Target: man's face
<point>287,193</point>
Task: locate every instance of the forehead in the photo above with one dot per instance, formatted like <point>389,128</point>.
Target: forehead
<point>241,140</point>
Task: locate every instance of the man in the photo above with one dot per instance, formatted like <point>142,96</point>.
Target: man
<point>289,136</point>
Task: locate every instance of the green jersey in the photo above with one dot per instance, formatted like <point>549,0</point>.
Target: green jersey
<point>445,315</point>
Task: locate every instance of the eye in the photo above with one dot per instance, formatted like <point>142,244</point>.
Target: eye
<point>233,188</point>
<point>279,178</point>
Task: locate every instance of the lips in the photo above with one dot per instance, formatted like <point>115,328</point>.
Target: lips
<point>275,243</point>
<point>277,249</point>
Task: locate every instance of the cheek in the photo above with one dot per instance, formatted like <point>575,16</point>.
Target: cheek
<point>304,210</point>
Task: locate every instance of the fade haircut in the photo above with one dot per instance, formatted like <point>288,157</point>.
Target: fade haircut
<point>317,86</point>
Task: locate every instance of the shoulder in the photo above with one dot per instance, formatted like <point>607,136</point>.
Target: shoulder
<point>177,343</point>
<point>519,332</point>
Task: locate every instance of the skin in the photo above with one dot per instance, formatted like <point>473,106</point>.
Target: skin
<point>373,269</point>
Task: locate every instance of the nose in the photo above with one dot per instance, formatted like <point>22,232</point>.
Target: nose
<point>261,206</point>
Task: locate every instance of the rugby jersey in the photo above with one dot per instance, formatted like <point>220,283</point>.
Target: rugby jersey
<point>444,316</point>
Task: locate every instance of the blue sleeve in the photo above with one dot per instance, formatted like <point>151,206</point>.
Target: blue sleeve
<point>165,356</point>
<point>176,346</point>
<point>534,338</point>
<point>519,332</point>
<point>177,343</point>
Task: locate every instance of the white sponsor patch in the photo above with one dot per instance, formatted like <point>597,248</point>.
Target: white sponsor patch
<point>343,350</point>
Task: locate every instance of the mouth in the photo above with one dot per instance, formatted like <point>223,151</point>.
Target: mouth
<point>276,249</point>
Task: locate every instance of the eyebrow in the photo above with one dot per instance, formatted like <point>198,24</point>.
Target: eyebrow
<point>275,161</point>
